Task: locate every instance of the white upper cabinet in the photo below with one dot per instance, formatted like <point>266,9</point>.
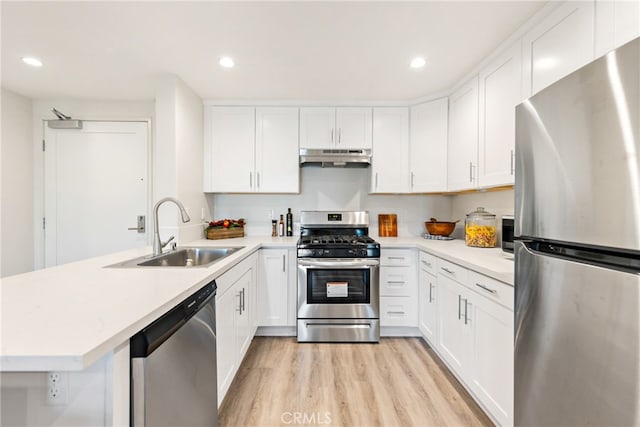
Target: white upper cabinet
<point>354,127</point>
<point>277,154</point>
<point>617,22</point>
<point>559,45</point>
<point>338,128</point>
<point>390,164</point>
<point>500,86</point>
<point>229,149</point>
<point>249,150</point>
<point>428,146</point>
<point>462,154</point>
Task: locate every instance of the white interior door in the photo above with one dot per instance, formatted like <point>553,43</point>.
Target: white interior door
<point>96,185</point>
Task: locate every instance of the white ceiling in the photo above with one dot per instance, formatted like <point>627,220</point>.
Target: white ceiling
<point>283,50</point>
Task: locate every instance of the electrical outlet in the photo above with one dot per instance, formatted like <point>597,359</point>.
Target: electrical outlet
<point>57,388</point>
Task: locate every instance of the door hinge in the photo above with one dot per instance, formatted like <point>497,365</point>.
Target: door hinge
<point>44,223</point>
<point>43,145</point>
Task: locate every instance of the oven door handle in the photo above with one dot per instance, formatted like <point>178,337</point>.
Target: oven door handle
<point>342,263</point>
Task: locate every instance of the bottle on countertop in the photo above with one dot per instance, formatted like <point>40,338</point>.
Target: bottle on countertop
<point>289,223</point>
<point>281,226</point>
<point>274,228</point>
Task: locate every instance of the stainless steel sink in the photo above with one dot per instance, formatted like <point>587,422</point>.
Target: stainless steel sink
<point>182,257</point>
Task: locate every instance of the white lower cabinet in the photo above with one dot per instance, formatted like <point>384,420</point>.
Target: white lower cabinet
<point>234,326</point>
<point>428,296</point>
<point>398,288</point>
<point>492,370</point>
<point>455,334</point>
<point>468,319</point>
<point>273,287</point>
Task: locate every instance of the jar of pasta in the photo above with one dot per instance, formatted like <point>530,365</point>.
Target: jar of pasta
<point>481,229</point>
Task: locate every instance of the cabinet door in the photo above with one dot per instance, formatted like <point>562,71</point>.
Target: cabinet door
<point>428,306</point>
<point>500,86</point>
<point>428,146</point>
<point>272,288</point>
<point>227,306</point>
<point>560,44</point>
<point>242,289</point>
<point>398,311</point>
<point>617,22</point>
<point>317,127</point>
<point>390,163</point>
<point>354,127</point>
<point>454,335</point>
<point>462,153</point>
<point>277,153</point>
<point>493,357</point>
<point>229,149</point>
<point>397,281</point>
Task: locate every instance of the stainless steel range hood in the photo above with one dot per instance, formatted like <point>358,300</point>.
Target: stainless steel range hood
<point>335,158</point>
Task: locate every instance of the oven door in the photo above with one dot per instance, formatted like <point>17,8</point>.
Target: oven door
<point>338,288</point>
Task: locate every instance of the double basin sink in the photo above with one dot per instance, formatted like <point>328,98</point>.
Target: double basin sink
<point>181,257</point>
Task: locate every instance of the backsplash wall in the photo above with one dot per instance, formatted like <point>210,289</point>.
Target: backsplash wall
<point>330,189</point>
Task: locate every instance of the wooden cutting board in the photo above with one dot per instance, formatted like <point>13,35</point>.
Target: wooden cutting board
<point>388,225</point>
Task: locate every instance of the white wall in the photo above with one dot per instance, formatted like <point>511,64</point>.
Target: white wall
<point>84,110</point>
<point>328,189</point>
<point>17,247</point>
<point>179,168</point>
<point>23,398</point>
<point>496,202</point>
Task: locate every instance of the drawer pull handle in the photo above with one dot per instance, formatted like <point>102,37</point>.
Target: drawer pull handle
<point>430,292</point>
<point>459,301</point>
<point>396,282</point>
<point>395,257</point>
<point>400,313</point>
<point>447,270</point>
<point>428,264</point>
<point>493,291</point>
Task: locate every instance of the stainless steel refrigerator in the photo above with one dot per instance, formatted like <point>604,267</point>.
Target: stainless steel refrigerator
<point>577,284</point>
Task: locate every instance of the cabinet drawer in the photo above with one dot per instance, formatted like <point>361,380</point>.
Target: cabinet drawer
<point>428,263</point>
<point>396,257</point>
<point>398,311</point>
<point>397,281</point>
<point>493,289</point>
<point>453,271</point>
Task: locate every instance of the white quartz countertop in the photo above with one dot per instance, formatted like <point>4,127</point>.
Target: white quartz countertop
<point>67,317</point>
<point>487,261</point>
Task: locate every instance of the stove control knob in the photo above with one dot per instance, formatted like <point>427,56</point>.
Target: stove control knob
<point>363,252</point>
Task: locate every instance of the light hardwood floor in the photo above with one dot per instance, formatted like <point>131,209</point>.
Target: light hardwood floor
<point>398,382</point>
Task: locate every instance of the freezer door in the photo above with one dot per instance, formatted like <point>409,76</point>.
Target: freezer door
<point>576,343</point>
<point>578,155</point>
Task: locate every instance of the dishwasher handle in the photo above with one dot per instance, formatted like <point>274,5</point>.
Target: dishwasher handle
<point>151,337</point>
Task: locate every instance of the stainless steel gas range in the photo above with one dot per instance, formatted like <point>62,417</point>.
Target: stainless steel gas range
<point>338,278</point>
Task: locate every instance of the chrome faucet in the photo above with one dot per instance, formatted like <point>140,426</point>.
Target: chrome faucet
<point>157,243</point>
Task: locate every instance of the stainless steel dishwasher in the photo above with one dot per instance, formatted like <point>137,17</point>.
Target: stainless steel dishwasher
<point>173,366</point>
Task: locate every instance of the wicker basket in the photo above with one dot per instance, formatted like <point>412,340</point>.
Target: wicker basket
<point>224,233</point>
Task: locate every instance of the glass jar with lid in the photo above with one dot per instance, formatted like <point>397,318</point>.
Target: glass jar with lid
<point>481,229</point>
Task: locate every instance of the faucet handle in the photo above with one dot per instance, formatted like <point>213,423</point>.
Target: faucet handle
<point>163,244</point>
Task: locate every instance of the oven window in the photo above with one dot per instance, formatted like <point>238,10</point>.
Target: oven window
<point>338,286</point>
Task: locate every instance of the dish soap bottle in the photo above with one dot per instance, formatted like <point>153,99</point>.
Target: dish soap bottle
<point>289,223</point>
<point>281,226</point>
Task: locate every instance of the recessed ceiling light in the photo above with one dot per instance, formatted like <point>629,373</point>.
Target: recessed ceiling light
<point>226,62</point>
<point>418,62</point>
<point>30,60</point>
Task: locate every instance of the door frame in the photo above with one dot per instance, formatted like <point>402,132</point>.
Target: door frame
<point>39,182</point>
